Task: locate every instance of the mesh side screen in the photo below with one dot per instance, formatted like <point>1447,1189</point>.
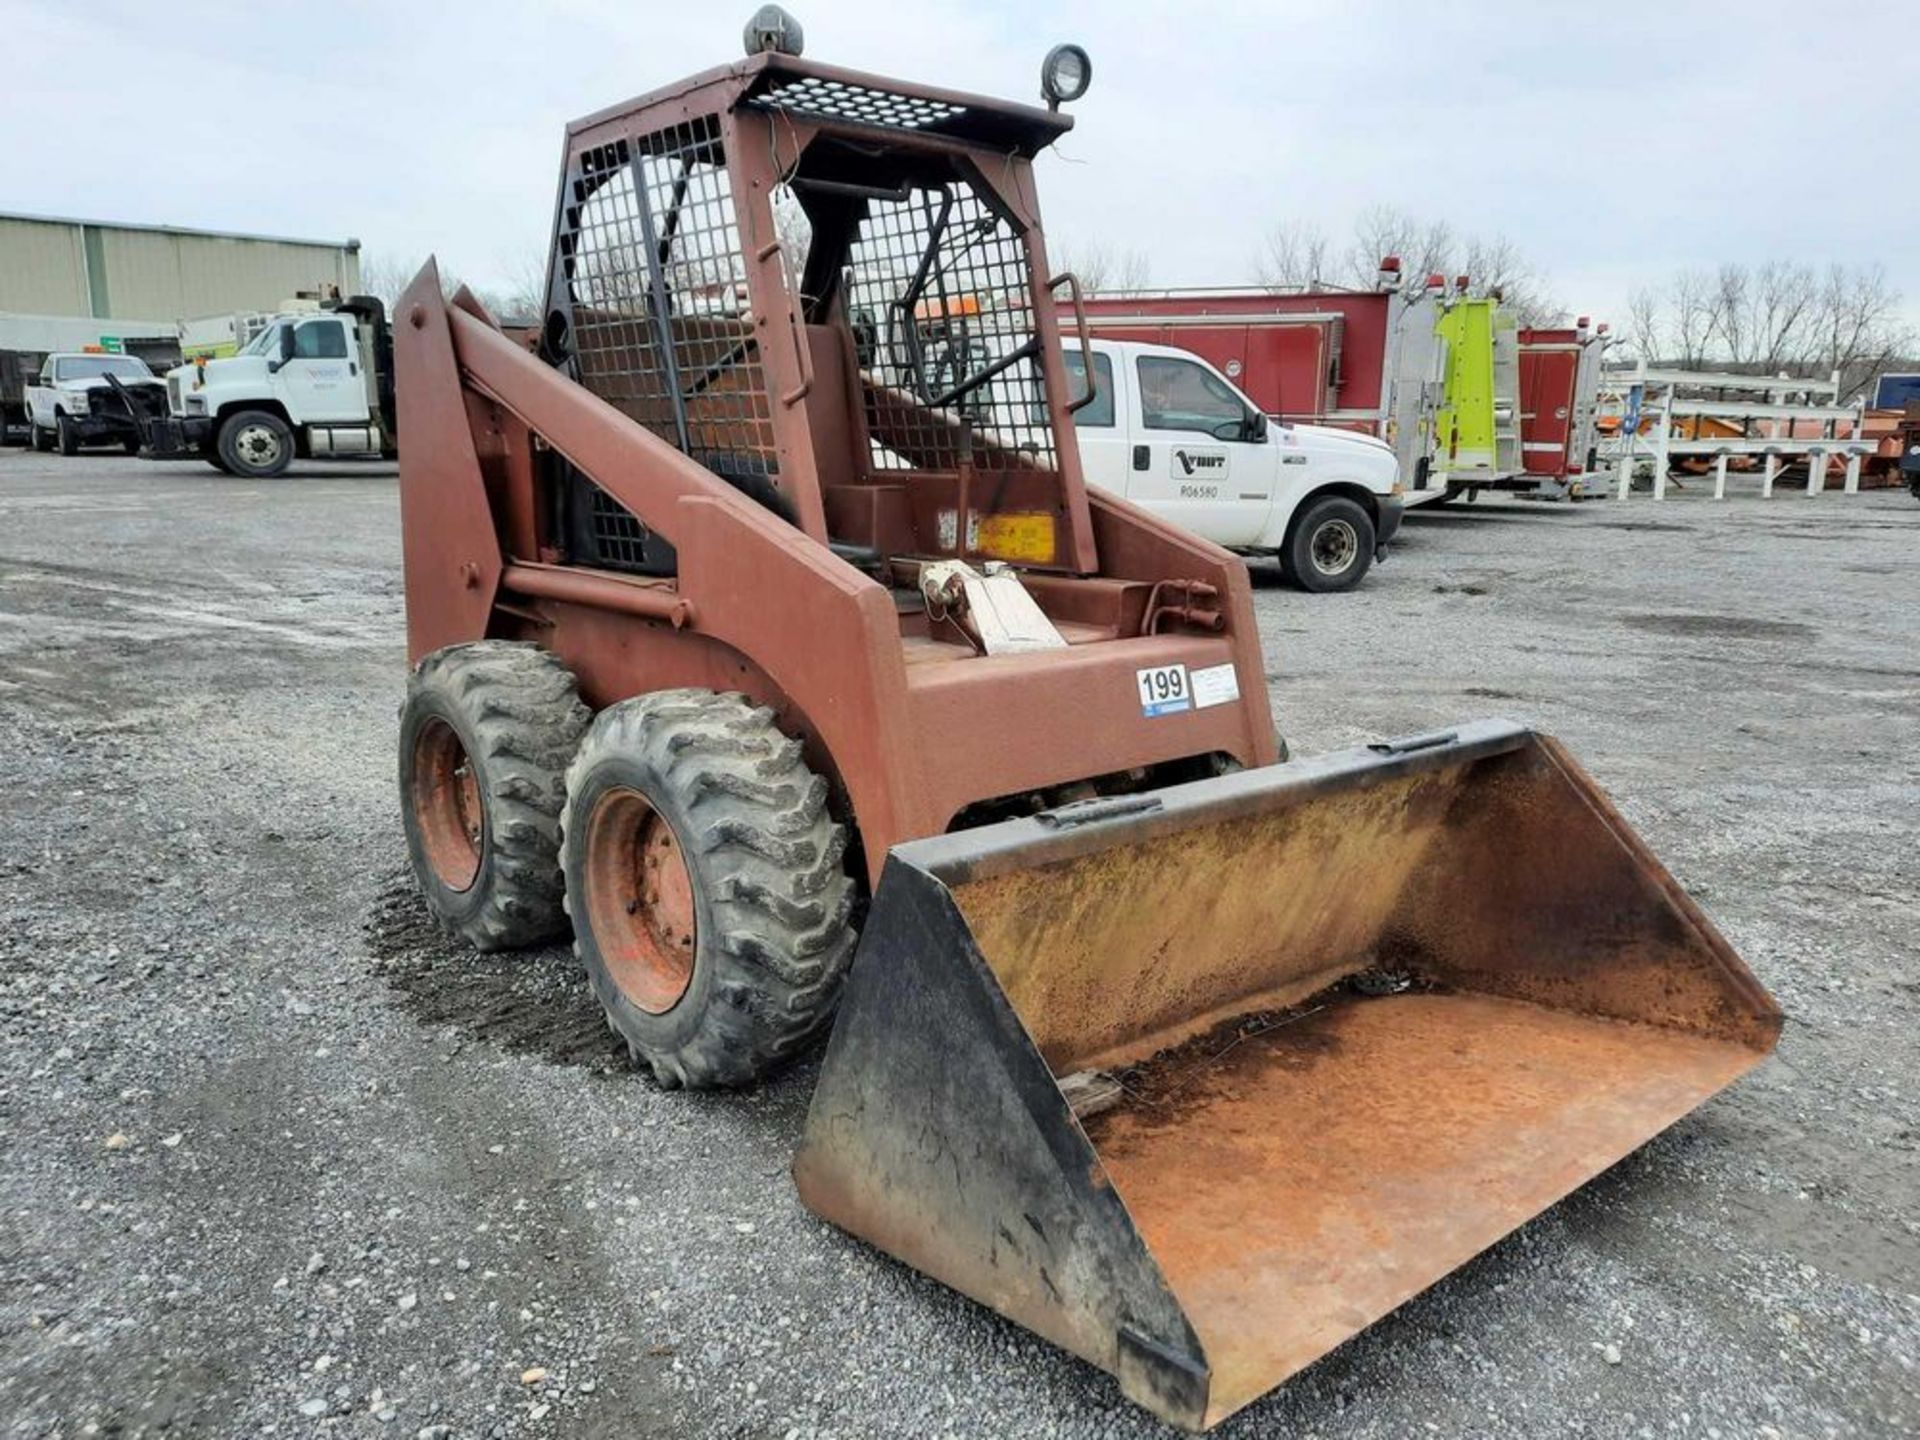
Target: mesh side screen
<point>617,534</point>
<point>939,294</point>
<point>661,324</point>
<point>837,100</point>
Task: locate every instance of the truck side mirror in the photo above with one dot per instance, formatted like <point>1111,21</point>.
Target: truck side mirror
<point>286,350</point>
<point>1257,426</point>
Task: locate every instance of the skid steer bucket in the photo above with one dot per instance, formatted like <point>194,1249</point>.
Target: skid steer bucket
<point>1198,1084</point>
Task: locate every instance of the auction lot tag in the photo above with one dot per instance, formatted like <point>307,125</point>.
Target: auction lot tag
<point>1164,689</point>
<point>1215,685</point>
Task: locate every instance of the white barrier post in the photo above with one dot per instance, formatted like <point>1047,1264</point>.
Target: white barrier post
<point>1816,470</point>
<point>1660,453</point>
<point>1853,473</point>
<point>1767,475</point>
<point>1720,476</point>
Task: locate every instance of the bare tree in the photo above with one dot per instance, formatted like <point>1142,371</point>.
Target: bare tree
<point>1424,247</point>
<point>1779,316</point>
<point>1102,269</point>
<point>1295,256</point>
<point>385,276</point>
<point>522,298</point>
<point>1857,327</point>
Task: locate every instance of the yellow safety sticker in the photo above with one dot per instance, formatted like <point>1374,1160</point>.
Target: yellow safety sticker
<point>1015,536</point>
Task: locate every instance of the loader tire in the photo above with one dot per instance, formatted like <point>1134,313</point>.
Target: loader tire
<point>707,885</point>
<point>486,732</point>
<point>255,445</point>
<point>1330,546</point>
<point>68,434</point>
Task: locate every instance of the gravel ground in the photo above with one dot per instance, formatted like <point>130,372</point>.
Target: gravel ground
<point>275,1160</point>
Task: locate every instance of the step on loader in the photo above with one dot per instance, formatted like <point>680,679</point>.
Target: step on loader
<point>767,636</point>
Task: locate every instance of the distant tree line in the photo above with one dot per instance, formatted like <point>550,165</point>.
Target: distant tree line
<point>1301,255</point>
<point>1779,317</point>
<point>522,298</point>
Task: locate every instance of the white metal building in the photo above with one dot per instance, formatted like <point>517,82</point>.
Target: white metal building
<point>105,270</point>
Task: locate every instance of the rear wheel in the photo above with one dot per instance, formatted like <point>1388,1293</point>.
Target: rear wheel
<point>485,736</point>
<point>256,445</point>
<point>1331,545</point>
<point>68,433</point>
<point>707,884</point>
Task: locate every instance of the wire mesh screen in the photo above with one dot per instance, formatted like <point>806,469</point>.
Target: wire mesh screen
<point>940,298</point>
<point>662,327</point>
<point>838,100</point>
<point>619,539</point>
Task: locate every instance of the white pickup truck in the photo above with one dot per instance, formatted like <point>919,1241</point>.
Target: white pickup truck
<point>1173,435</point>
<point>73,404</point>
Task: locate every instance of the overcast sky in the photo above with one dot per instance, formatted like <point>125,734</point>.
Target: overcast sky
<point>1614,143</point>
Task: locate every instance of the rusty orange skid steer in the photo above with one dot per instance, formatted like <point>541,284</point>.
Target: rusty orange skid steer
<point>765,627</point>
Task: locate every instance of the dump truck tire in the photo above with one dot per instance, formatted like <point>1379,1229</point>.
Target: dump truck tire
<point>486,732</point>
<point>255,445</point>
<point>707,885</point>
<point>1331,545</point>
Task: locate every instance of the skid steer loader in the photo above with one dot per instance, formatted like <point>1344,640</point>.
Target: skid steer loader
<point>765,629</point>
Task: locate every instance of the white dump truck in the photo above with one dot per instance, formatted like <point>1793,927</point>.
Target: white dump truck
<point>1169,432</point>
<point>307,386</point>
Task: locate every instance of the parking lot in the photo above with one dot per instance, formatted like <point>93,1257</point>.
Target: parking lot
<point>274,1158</point>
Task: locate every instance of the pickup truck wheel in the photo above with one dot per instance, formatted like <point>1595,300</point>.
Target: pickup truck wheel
<point>1331,546</point>
<point>38,438</point>
<point>69,436</point>
<point>256,445</point>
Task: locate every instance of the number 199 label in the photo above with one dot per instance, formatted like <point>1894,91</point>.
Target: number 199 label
<point>1164,689</point>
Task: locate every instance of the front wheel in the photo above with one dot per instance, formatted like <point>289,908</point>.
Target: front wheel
<point>69,435</point>
<point>707,884</point>
<point>1331,545</point>
<point>255,445</point>
<point>38,437</point>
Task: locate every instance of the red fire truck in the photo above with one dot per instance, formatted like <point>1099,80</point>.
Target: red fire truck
<point>1559,381</point>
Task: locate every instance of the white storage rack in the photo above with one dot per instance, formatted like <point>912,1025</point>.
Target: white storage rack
<point>1769,409</point>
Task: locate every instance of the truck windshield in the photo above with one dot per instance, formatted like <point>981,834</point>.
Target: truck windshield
<point>92,367</point>
<point>268,339</point>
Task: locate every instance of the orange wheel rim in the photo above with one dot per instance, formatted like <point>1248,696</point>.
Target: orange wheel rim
<point>640,901</point>
<point>447,805</point>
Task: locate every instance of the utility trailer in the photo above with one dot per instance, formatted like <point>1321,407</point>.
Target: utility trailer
<point>18,370</point>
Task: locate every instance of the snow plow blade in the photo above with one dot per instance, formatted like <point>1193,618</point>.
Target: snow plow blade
<point>1200,1083</point>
